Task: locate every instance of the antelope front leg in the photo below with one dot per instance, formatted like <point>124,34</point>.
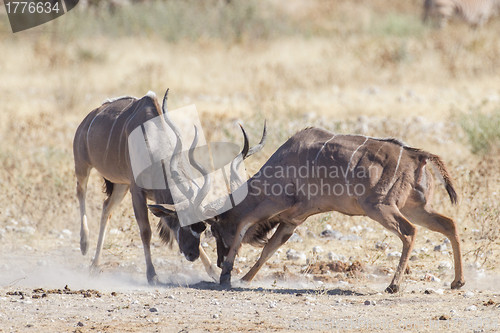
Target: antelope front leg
<point>282,234</point>
<point>227,266</point>
<point>262,211</point>
<point>141,215</point>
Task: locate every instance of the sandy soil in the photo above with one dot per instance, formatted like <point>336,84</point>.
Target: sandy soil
<point>51,290</point>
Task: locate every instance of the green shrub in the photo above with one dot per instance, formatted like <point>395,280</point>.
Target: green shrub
<point>482,130</point>
<point>181,19</point>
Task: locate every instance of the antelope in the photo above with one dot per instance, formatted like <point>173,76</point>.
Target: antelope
<point>317,171</point>
<point>474,12</point>
<point>100,143</point>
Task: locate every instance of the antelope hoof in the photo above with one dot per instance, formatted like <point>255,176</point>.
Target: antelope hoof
<point>225,280</point>
<point>95,270</point>
<point>457,284</point>
<point>153,281</point>
<point>84,246</point>
<point>392,289</point>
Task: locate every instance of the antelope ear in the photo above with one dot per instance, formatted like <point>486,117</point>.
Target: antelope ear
<point>162,210</point>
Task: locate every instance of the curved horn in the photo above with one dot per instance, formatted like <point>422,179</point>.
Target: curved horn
<point>174,161</point>
<point>203,192</point>
<point>258,147</point>
<point>164,105</point>
<point>235,163</point>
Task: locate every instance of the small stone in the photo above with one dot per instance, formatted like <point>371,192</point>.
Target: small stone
<point>429,291</point>
<point>66,232</point>
<point>328,233</point>
<point>295,238</point>
<point>272,304</point>
<point>471,308</point>
<point>393,255</point>
<point>414,258</point>
<point>381,245</point>
<point>444,265</point>
<point>439,291</point>
<point>153,310</point>
<point>468,294</point>
<point>431,278</point>
<point>171,296</point>
<point>368,302</point>
<point>440,247</point>
<point>114,231</point>
<point>356,229</point>
<point>27,230</point>
<point>41,263</point>
<point>444,317</point>
<point>294,255</point>
<point>333,256</point>
<point>317,249</point>
<point>80,324</point>
<point>215,316</point>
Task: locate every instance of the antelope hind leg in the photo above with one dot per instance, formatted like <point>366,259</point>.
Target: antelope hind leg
<point>391,218</point>
<point>426,217</point>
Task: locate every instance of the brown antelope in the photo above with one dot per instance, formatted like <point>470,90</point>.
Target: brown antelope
<point>101,142</point>
<point>317,171</point>
<point>475,12</point>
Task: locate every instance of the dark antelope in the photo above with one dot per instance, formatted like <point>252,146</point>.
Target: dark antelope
<point>101,142</point>
<point>317,171</point>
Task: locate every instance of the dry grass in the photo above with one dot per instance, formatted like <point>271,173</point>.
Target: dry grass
<point>349,66</point>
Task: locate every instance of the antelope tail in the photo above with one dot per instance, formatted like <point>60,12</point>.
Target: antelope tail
<point>438,163</point>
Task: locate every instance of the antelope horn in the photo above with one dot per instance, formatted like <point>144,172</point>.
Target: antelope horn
<point>203,192</point>
<point>258,147</point>
<point>174,161</point>
<point>235,163</point>
<point>164,105</point>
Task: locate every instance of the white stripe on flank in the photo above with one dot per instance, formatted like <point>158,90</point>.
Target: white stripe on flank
<point>111,133</point>
<point>397,166</point>
<point>90,126</point>
<point>322,147</point>
<point>124,127</point>
<point>354,153</point>
<point>384,142</point>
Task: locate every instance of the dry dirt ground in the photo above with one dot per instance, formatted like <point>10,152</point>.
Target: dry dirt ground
<point>52,291</point>
<point>367,67</point>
